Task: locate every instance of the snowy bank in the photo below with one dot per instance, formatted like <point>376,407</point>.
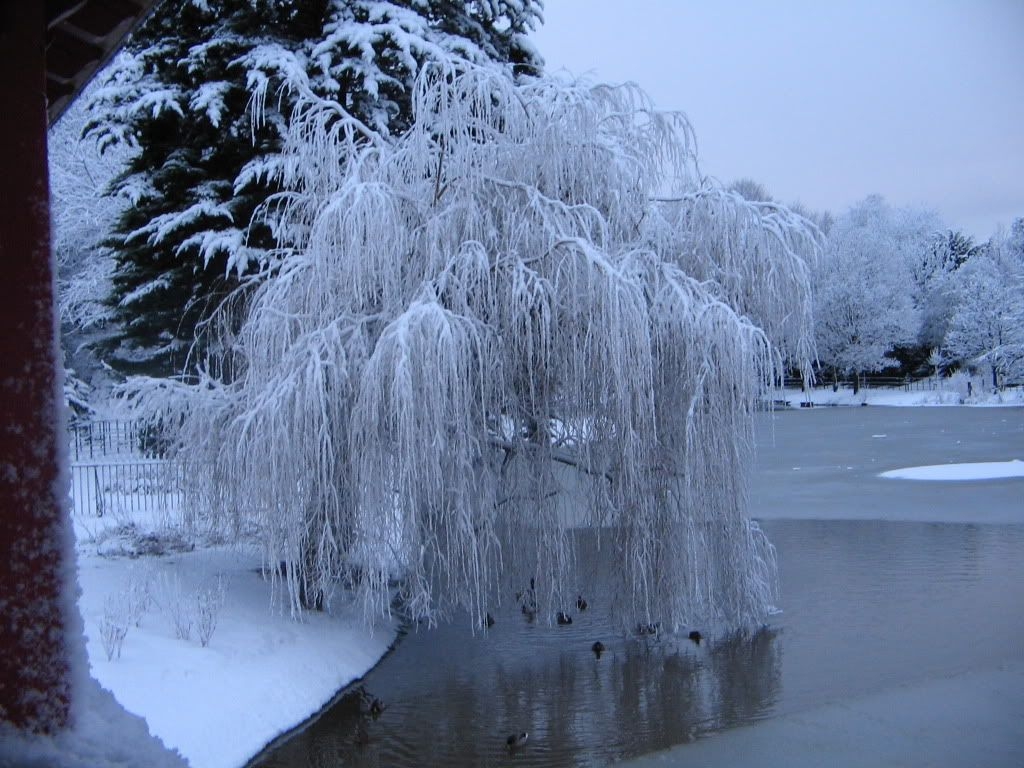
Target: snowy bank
<point>103,736</point>
<point>945,392</point>
<point>260,674</point>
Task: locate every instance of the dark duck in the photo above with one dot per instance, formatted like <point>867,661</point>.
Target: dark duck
<point>517,740</point>
<point>528,599</point>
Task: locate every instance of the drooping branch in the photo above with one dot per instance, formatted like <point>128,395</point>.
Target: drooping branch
<point>437,388</point>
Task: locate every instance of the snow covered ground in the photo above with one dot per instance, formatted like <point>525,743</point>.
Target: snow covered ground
<point>260,673</point>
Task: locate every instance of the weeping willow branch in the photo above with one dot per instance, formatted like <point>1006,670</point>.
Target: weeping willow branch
<point>554,454</point>
<point>394,382</point>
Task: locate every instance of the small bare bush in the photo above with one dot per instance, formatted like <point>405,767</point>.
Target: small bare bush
<point>189,610</point>
<point>209,600</point>
<point>175,605</point>
<point>114,625</point>
<point>138,593</point>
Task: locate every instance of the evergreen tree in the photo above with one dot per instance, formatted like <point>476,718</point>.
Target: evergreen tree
<point>197,225</point>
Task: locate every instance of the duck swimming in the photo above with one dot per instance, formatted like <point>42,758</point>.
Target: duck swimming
<point>597,648</point>
<point>563,618</point>
<point>362,735</point>
<point>517,740</point>
<point>528,599</point>
<point>696,636</point>
<point>581,604</point>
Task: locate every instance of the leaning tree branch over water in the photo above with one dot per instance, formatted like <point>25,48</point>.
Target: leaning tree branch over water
<point>486,317</point>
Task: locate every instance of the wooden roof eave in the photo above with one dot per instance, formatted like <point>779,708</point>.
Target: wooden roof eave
<point>81,37</point>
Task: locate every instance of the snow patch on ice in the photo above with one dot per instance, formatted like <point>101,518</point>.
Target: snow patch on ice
<point>983,470</point>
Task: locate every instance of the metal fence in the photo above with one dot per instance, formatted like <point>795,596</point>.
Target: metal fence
<point>868,382</point>
<point>105,438</point>
<point>117,469</point>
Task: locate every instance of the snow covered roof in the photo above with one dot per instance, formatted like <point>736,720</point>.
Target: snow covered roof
<point>81,35</point>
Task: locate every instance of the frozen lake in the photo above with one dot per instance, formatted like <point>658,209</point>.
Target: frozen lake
<point>823,463</point>
<point>885,584</point>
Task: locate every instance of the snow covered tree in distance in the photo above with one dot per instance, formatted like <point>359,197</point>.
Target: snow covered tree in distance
<point>987,325</point>
<point>491,334</point>
<point>82,215</point>
<point>865,288</point>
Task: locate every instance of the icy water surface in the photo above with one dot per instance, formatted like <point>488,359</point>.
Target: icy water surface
<point>823,463</point>
<point>868,604</point>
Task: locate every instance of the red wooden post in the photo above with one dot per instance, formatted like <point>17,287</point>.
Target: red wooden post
<point>35,684</point>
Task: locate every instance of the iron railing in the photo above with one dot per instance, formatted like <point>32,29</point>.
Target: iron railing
<point>118,469</point>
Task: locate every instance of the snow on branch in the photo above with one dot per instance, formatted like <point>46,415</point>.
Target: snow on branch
<point>531,290</point>
<point>160,227</point>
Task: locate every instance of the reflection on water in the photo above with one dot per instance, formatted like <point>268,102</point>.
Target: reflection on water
<point>867,605</point>
<point>577,709</point>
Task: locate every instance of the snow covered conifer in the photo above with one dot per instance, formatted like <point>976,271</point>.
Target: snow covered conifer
<point>204,167</point>
<point>491,333</point>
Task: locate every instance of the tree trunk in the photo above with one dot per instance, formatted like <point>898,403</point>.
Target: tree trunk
<point>35,686</point>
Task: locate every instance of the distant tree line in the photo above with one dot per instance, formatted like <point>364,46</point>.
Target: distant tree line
<point>898,293</point>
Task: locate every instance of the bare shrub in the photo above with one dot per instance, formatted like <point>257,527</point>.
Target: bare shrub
<point>174,603</point>
<point>114,625</point>
<point>209,600</point>
<point>138,593</point>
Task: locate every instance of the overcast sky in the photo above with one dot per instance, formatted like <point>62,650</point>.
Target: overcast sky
<point>827,101</point>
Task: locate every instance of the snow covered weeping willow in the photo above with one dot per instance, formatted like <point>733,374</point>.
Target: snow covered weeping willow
<point>484,318</point>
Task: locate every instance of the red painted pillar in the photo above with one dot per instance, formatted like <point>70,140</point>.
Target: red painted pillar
<point>35,685</point>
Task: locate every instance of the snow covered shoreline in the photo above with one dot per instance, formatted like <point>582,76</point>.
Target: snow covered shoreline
<point>947,392</point>
<point>261,674</point>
